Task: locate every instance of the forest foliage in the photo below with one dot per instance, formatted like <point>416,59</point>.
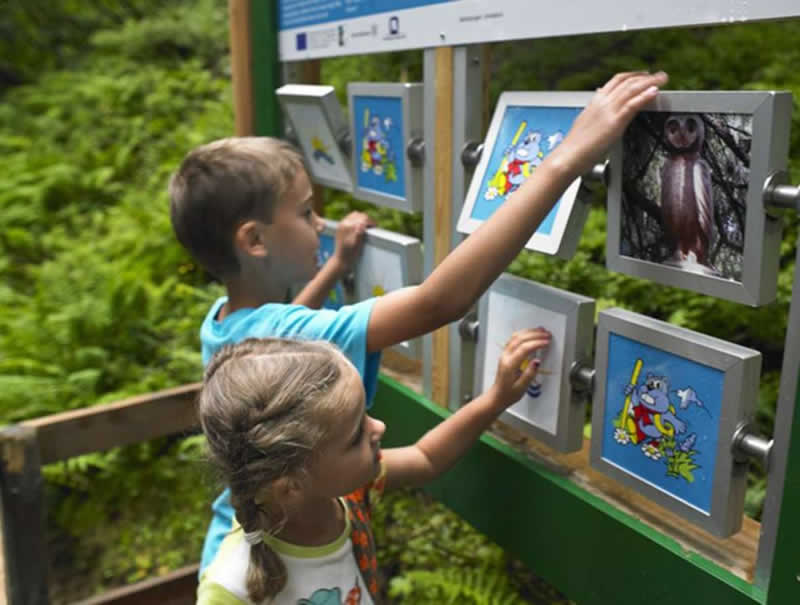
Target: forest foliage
<point>100,101</point>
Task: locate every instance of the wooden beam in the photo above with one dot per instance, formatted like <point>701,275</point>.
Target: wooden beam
<point>443,194</point>
<point>24,543</point>
<point>101,427</point>
<point>241,66</point>
<point>176,588</point>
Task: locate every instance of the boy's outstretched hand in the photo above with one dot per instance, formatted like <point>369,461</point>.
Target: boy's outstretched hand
<point>513,374</point>
<point>350,238</point>
<point>605,118</point>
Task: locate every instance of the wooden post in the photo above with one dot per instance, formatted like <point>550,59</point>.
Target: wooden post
<point>24,544</point>
<point>443,194</point>
<point>241,66</point>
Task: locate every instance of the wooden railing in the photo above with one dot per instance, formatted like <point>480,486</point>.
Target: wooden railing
<point>25,447</point>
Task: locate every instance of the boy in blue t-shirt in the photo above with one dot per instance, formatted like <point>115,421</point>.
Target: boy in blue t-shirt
<point>242,207</point>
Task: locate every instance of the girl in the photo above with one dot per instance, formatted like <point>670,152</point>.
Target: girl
<point>286,424</point>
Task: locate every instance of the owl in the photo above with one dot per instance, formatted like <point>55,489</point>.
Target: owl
<point>686,198</point>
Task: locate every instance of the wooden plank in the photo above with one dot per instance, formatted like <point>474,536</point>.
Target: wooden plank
<point>443,216</point>
<point>176,588</point>
<point>102,427</point>
<point>589,549</point>
<point>24,543</point>
<point>241,66</point>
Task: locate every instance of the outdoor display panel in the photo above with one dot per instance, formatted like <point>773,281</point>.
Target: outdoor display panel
<point>525,128</point>
<point>685,200</point>
<point>667,403</point>
<point>384,118</point>
<point>550,410</point>
<point>319,124</point>
<point>389,261</point>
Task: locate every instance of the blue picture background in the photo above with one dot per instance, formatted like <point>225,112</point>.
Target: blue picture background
<point>327,244</point>
<point>382,108</point>
<point>707,382</point>
<point>549,122</point>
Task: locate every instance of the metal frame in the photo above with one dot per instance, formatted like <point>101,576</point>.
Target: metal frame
<point>578,312</point>
<point>572,211</point>
<point>411,98</point>
<point>771,113</point>
<point>408,250</point>
<point>324,99</point>
<point>741,368</point>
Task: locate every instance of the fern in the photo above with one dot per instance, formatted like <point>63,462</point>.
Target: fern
<point>488,586</point>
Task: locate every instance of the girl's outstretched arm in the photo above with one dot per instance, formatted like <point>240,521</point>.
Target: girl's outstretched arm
<point>442,446</point>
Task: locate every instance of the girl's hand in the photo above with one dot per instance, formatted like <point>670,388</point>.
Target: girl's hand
<point>513,374</point>
<point>605,118</point>
<point>350,238</point>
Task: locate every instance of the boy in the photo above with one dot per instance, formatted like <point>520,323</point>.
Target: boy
<point>242,207</point>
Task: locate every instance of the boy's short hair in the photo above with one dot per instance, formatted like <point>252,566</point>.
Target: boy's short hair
<point>221,185</point>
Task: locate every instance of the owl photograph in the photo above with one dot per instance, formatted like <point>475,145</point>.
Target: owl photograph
<point>684,191</point>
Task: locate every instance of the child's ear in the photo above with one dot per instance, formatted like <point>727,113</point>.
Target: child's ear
<point>250,238</point>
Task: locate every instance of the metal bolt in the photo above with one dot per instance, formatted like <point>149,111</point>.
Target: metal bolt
<point>441,35</point>
<point>797,577</point>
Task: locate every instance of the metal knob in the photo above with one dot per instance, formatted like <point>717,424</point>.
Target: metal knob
<point>779,194</point>
<point>581,377</point>
<point>598,174</point>
<point>468,327</point>
<point>415,151</point>
<point>747,444</point>
<point>471,154</point>
<point>345,142</point>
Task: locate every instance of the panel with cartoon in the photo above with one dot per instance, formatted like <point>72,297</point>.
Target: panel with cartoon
<point>525,128</point>
<point>666,406</point>
<point>686,204</point>
<point>319,125</point>
<point>389,261</point>
<point>384,117</point>
<point>327,246</point>
<point>550,411</point>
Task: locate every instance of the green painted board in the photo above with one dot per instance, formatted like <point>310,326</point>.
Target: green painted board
<point>586,548</point>
<point>266,68</point>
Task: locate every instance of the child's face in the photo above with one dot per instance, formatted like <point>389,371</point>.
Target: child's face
<point>294,233</point>
<point>350,457</point>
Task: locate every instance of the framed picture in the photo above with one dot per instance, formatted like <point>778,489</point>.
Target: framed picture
<point>384,118</point>
<point>667,403</point>
<point>549,411</point>
<point>685,203</point>
<point>317,119</point>
<point>526,126</point>
<point>389,261</point>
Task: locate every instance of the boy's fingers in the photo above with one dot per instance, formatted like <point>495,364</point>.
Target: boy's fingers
<point>634,87</point>
<point>618,79</point>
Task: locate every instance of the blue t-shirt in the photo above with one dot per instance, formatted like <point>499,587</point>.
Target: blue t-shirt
<point>345,327</point>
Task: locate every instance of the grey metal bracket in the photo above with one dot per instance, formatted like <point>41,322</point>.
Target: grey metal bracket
<point>581,377</point>
<point>468,327</point>
<point>471,154</point>
<point>345,142</point>
<point>415,151</point>
<point>599,173</point>
<point>779,194</point>
<point>747,444</point>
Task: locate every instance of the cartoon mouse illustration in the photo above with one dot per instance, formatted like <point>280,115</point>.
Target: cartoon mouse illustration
<point>377,154</point>
<point>652,410</point>
<point>519,160</point>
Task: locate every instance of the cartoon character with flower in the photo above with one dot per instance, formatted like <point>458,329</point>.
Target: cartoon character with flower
<point>649,420</point>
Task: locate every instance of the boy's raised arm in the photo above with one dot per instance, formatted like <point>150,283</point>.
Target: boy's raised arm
<point>471,268</point>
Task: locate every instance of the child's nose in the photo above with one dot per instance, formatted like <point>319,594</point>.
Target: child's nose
<point>319,225</point>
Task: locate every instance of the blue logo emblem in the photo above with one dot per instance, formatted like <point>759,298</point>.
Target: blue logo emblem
<point>394,25</point>
<point>302,42</point>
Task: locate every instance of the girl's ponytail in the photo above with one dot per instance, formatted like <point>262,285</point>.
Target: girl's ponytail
<point>264,407</point>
